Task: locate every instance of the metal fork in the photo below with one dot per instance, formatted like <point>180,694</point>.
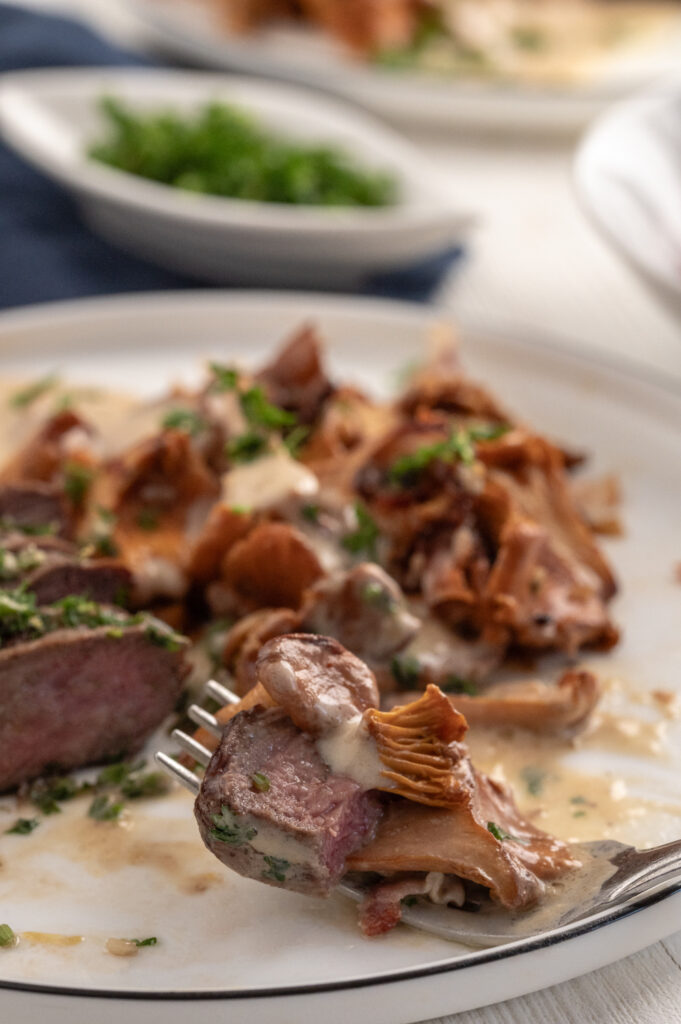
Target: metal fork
<point>615,877</point>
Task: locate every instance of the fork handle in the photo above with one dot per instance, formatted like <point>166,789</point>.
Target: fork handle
<point>639,869</point>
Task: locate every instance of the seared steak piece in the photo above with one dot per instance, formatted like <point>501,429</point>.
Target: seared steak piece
<point>271,809</point>
<point>52,568</point>
<point>34,506</point>
<point>75,696</point>
<point>106,582</point>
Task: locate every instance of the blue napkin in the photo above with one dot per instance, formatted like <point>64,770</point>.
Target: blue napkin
<point>46,252</point>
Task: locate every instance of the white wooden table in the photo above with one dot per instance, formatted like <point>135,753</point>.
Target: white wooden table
<point>537,261</point>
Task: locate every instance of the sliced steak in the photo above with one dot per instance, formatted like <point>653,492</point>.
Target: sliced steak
<point>34,506</point>
<point>52,568</point>
<point>77,696</point>
<point>105,582</point>
<point>271,809</point>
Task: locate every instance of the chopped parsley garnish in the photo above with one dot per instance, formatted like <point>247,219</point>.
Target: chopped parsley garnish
<point>578,800</point>
<point>26,396</point>
<point>100,541</point>
<point>49,792</point>
<point>262,417</point>
<point>21,617</point>
<point>7,937</point>
<point>187,420</point>
<point>15,563</point>
<point>225,378</point>
<point>105,808</point>
<point>140,943</point>
<point>8,524</point>
<point>379,597</point>
<point>406,671</point>
<point>77,481</point>
<point>260,782</point>
<point>310,512</point>
<point>246,447</point>
<point>228,830</point>
<point>261,413</point>
<point>221,150</point>
<point>146,785</point>
<point>147,519</point>
<point>22,827</point>
<point>459,684</point>
<point>115,774</point>
<point>579,814</point>
<point>534,778</point>
<point>362,540</point>
<point>501,835</point>
<point>276,868</point>
<point>459,446</point>
<point>295,439</point>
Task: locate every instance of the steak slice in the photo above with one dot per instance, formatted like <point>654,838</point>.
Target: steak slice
<point>271,809</point>
<point>105,582</point>
<point>76,696</point>
<point>34,506</point>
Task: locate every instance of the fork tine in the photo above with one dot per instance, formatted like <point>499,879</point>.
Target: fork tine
<point>204,718</point>
<point>197,750</point>
<point>220,693</point>
<point>178,772</point>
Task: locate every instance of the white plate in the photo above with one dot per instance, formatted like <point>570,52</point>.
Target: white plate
<point>50,118</point>
<point>189,31</point>
<point>254,955</point>
<point>628,175</point>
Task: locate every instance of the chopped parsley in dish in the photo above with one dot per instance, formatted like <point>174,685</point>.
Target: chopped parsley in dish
<point>222,151</point>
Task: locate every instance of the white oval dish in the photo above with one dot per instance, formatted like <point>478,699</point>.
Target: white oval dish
<point>628,177</point>
<point>50,118</point>
<point>254,955</point>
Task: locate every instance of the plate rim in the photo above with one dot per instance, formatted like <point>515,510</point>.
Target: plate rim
<point>47,317</point>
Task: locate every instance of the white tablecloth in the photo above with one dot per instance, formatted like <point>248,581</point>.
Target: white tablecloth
<point>536,260</point>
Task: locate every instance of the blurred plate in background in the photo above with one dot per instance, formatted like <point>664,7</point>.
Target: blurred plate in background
<point>193,31</point>
<point>51,118</point>
<point>628,177</point>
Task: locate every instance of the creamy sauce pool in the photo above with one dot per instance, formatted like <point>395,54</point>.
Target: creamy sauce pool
<point>120,419</point>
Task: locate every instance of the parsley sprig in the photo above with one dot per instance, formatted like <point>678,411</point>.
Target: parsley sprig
<point>502,835</point>
<point>227,828</point>
<point>459,446</point>
<point>261,415</point>
<point>20,617</point>
<point>363,540</point>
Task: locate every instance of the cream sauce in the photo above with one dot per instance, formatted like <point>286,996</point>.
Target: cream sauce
<point>120,420</point>
<point>349,750</point>
<point>146,838</point>
<point>566,802</point>
<point>268,482</point>
<point>272,842</point>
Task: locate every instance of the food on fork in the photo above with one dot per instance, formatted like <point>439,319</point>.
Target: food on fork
<point>315,781</point>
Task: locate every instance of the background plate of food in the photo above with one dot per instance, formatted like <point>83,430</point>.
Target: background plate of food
<point>520,66</point>
<point>109,421</point>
